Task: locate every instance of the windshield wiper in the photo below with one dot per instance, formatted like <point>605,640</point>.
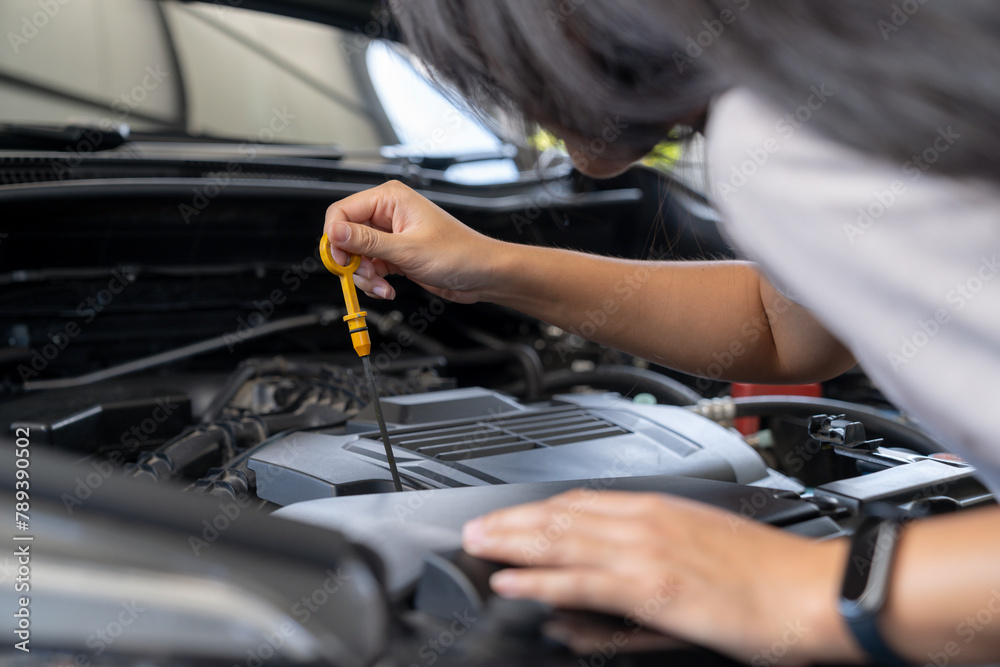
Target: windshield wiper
<point>405,153</point>
<point>63,138</point>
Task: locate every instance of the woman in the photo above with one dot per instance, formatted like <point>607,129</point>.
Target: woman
<point>845,140</point>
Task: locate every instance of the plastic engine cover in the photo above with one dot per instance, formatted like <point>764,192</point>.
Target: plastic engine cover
<point>488,438</point>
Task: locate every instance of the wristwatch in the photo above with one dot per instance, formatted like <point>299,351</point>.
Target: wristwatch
<point>866,581</point>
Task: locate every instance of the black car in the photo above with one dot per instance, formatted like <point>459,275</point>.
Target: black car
<point>194,467</point>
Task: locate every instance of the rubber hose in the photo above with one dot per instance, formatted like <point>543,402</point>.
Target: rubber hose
<point>879,421</point>
<point>625,380</point>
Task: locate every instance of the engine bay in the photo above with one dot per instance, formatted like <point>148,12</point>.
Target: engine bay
<point>183,383</point>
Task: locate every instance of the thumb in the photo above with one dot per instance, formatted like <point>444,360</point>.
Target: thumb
<point>363,240</point>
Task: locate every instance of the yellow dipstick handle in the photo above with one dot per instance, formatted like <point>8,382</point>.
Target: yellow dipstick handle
<point>355,317</point>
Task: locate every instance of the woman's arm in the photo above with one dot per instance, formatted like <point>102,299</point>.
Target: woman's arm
<point>944,606</point>
<point>716,319</point>
<point>748,590</point>
<point>719,319</point>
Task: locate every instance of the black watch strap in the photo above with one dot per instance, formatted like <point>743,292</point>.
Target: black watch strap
<point>868,636</point>
<point>866,582</point>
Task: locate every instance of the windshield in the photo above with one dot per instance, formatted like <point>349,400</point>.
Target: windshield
<point>211,71</point>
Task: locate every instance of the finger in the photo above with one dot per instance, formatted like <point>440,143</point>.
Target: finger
<point>369,274</point>
<point>377,288</point>
<point>586,633</point>
<point>366,241</point>
<point>591,540</point>
<point>341,257</point>
<point>375,206</point>
<point>366,269</point>
<point>623,505</point>
<point>568,588</point>
<point>576,503</point>
<point>382,267</point>
<point>570,550</point>
<point>613,503</point>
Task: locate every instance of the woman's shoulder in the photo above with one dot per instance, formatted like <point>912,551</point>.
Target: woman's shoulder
<point>901,263</point>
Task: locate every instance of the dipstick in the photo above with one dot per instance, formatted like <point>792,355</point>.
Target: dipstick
<point>358,328</point>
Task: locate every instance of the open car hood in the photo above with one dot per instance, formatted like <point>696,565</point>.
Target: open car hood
<point>369,16</point>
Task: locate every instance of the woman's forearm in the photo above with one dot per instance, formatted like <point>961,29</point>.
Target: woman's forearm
<point>944,601</point>
<point>713,319</point>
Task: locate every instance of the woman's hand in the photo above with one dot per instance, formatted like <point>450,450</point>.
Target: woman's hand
<point>397,231</point>
<point>682,568</point>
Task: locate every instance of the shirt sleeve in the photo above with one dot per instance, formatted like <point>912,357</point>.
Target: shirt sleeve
<point>897,261</point>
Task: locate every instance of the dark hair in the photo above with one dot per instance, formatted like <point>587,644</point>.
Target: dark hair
<point>901,70</point>
<point>582,68</point>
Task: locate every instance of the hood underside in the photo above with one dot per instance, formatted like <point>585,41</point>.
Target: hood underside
<point>371,17</point>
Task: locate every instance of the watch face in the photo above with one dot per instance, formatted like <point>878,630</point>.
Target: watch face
<point>867,576</point>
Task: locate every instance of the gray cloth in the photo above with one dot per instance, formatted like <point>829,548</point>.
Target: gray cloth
<point>900,263</point>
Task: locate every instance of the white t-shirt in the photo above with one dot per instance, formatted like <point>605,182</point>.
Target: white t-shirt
<point>900,263</point>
